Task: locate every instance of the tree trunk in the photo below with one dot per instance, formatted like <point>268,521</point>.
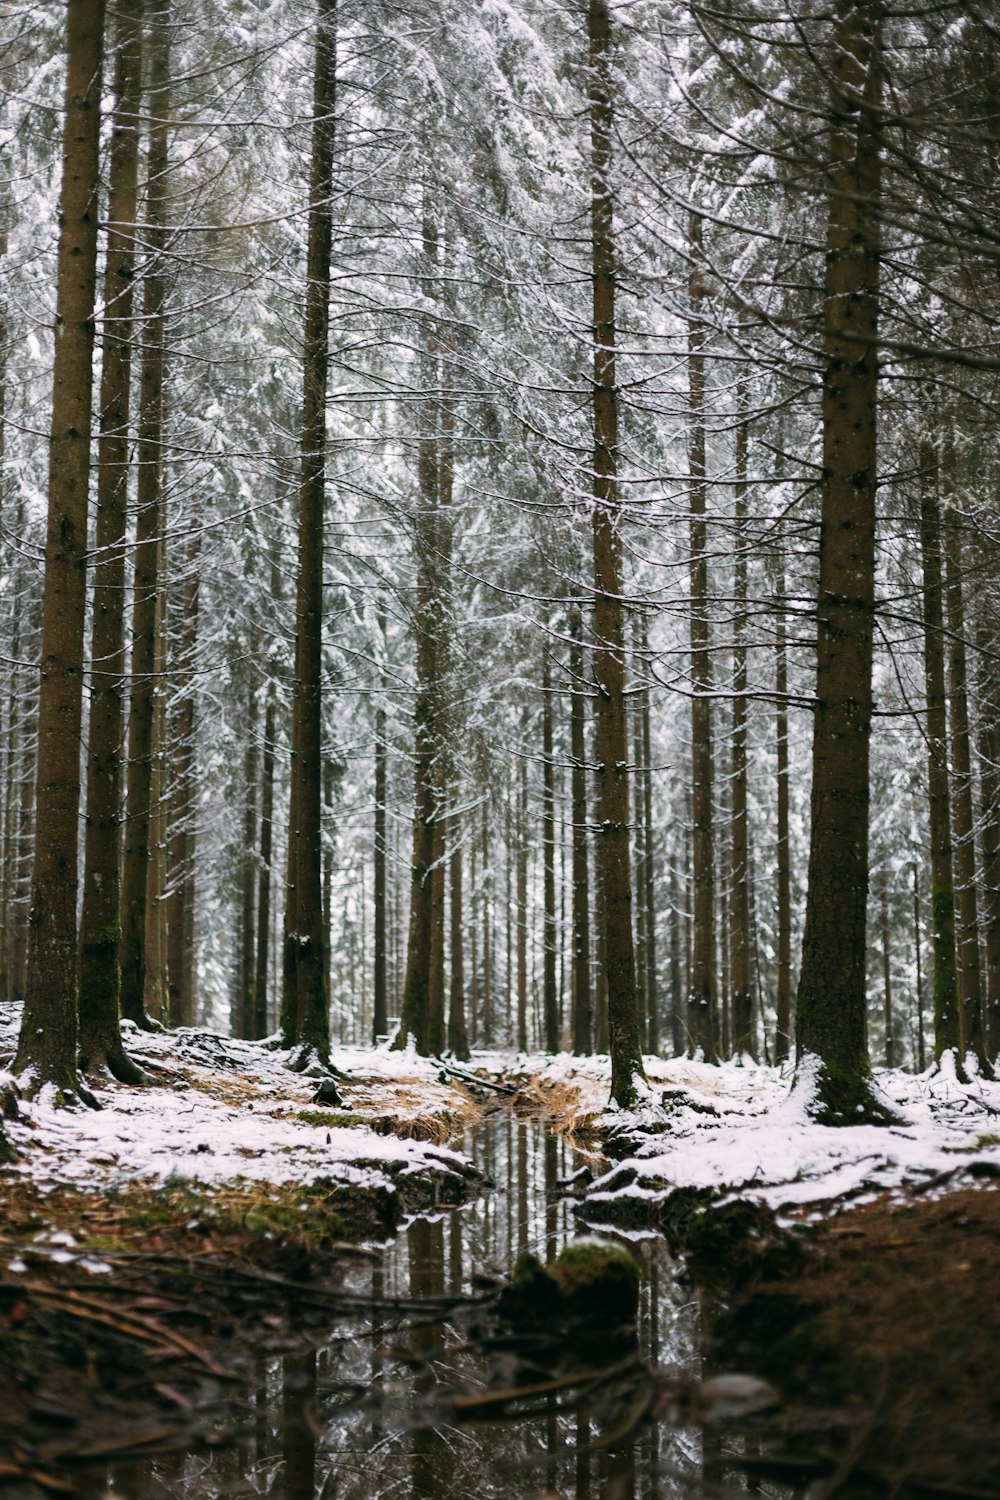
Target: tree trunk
<point>522,910</point>
<point>246,969</point>
<point>100,925</point>
<point>428,630</point>
<point>649,869</point>
<point>583,1007</point>
<point>970,989</point>
<point>639,853</point>
<point>989,780</point>
<point>180,1001</point>
<point>260,1027</point>
<point>550,997</point>
<point>890,1041</point>
<point>458,1036</point>
<point>612,850</point>
<point>702,994</point>
<point>832,1000</point>
<point>48,1039</point>
<point>150,521</point>
<point>947,1033</point>
<point>312,1018</point>
<point>783,849</point>
<point>154,998</point>
<point>435,989</point>
<point>380,1008</point>
<point>739,914</point>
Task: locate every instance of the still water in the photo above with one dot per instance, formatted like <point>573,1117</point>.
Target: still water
<point>373,1413</point>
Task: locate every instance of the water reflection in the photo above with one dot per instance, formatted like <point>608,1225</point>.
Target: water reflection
<point>369,1416</point>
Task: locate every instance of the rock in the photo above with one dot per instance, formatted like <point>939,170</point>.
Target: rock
<point>731,1398</point>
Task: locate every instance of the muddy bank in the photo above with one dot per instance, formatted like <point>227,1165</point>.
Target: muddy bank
<point>879,1328</point>
<point>130,1319</point>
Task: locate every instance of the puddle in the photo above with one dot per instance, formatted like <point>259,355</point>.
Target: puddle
<point>372,1414</point>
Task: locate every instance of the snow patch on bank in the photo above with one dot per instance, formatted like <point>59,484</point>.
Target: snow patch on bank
<point>222,1109</point>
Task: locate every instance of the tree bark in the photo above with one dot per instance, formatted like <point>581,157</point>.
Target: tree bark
<point>550,996</point>
<point>947,1032</point>
<point>380,1008</point>
<point>583,1006</point>
<point>180,902</point>
<point>612,847</point>
<point>702,995</point>
<point>739,916</point>
<point>887,1017</point>
<point>458,1036</point>
<point>649,868</point>
<point>312,1017</point>
<point>47,1044</point>
<point>988,738</point>
<point>783,848</point>
<point>260,1027</point>
<point>831,1020</point>
<point>150,520</point>
<point>100,1040</point>
<point>970,989</point>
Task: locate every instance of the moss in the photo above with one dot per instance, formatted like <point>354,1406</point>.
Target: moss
<point>329,1119</point>
<point>598,1281</point>
<point>531,1294</point>
<point>591,1281</point>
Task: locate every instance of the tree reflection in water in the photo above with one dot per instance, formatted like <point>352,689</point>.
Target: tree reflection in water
<point>376,1413</point>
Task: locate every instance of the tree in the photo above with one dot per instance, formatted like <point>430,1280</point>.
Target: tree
<point>48,1040</point>
<point>311,1031</point>
<point>612,843</point>
<point>832,995</point>
<point>100,922</point>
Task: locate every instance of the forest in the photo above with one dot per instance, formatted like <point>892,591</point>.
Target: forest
<point>499,563</point>
<point>507,525</point>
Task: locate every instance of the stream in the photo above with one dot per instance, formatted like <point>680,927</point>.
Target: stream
<point>371,1414</point>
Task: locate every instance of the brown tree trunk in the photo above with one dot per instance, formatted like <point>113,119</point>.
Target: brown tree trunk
<point>783,850</point>
<point>612,847</point>
<point>247,950</point>
<point>154,996</point>
<point>48,1039</point>
<point>703,998</point>
<point>312,1018</point>
<point>522,910</point>
<point>832,1000</point>
<point>890,1040</point>
<point>649,867</point>
<point>435,1035</point>
<point>947,1032</point>
<point>988,738</point>
<point>550,996</point>
<point>380,1009</point>
<point>180,1002</point>
<point>260,1027</point>
<point>487,914</point>
<point>639,854</point>
<point>739,869</point>
<point>583,1006</point>
<point>458,1036</point>
<point>970,989</point>
<point>150,520</point>
<point>100,1040</point>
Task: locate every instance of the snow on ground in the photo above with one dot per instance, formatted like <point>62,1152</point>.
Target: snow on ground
<point>742,1128</point>
<point>223,1109</point>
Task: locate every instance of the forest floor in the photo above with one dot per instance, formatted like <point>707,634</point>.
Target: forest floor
<point>152,1248</point>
